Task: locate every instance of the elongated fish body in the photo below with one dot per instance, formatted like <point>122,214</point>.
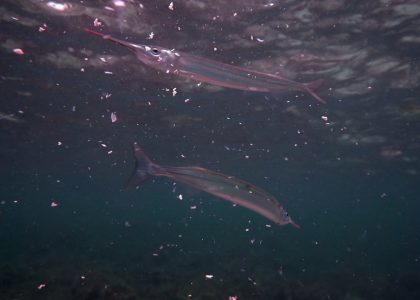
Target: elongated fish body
<point>220,185</point>
<point>213,72</point>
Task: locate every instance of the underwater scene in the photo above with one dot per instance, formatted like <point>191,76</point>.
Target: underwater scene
<point>197,149</point>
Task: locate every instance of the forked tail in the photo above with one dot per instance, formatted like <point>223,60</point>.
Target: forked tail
<point>310,86</point>
<point>143,170</point>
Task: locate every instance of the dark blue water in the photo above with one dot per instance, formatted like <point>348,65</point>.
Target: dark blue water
<point>347,171</point>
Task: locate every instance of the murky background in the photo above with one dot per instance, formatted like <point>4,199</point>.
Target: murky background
<point>347,171</point>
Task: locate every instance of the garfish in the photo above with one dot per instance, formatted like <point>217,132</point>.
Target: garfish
<point>220,185</point>
<point>205,70</point>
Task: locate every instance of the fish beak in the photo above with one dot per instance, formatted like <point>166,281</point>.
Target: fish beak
<point>132,47</point>
<point>294,224</point>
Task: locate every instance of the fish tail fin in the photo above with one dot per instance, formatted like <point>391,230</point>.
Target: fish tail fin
<point>310,86</point>
<point>143,170</point>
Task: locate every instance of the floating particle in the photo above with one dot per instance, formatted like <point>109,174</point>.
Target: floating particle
<point>260,40</point>
<point>174,92</point>
<point>103,59</point>
<point>109,152</point>
<point>83,277</point>
<point>59,143</point>
<point>127,224</point>
<point>113,117</point>
<point>324,118</point>
<point>209,276</point>
<point>151,35</point>
<point>58,6</point>
<point>108,72</point>
<point>97,23</point>
<point>215,49</point>
<point>54,204</point>
<point>119,3</point>
<point>171,6</point>
<point>235,14</point>
<point>41,286</point>
<point>41,29</point>
<point>268,225</point>
<point>103,145</point>
<point>155,254</point>
<point>187,100</point>
<point>18,51</point>
<point>193,207</point>
<point>233,297</point>
<point>180,197</point>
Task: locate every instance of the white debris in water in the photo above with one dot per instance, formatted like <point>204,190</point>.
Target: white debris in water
<point>18,51</point>
<point>151,35</point>
<point>58,6</point>
<point>119,3</point>
<point>209,276</point>
<point>171,6</point>
<point>113,117</point>
<point>180,197</point>
<point>96,22</point>
<point>174,92</point>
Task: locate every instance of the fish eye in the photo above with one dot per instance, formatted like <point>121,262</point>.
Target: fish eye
<point>155,51</point>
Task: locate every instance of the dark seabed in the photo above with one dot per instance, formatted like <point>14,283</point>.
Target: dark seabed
<point>347,171</point>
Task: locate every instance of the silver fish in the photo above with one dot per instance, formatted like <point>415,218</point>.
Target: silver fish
<point>220,185</point>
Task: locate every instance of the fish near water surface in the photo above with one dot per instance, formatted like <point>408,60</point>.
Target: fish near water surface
<point>213,72</point>
<point>220,185</point>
